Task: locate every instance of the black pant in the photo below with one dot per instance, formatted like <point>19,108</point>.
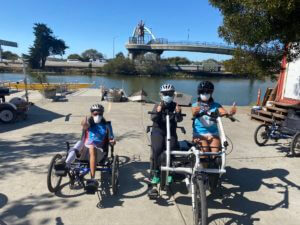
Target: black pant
<point>158,143</point>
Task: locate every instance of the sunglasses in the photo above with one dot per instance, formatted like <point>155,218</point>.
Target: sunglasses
<point>97,114</point>
<point>168,94</point>
<point>205,92</point>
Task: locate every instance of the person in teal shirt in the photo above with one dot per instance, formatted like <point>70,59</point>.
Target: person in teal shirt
<point>205,129</point>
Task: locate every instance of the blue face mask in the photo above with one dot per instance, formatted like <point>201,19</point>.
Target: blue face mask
<point>167,99</point>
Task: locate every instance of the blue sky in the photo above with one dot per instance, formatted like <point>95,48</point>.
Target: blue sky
<point>94,23</point>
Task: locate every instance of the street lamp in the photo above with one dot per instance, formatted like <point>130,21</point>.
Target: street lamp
<point>114,46</point>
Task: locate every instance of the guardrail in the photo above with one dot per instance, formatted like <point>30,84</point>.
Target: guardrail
<point>135,40</point>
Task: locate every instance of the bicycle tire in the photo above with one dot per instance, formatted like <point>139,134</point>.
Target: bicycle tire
<point>115,175</point>
<point>200,211</point>
<point>261,143</point>
<point>295,144</point>
<point>53,186</point>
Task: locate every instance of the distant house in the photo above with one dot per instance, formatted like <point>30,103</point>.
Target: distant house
<point>289,82</point>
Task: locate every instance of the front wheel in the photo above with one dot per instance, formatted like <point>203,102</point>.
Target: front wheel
<point>261,134</point>
<point>200,206</point>
<point>53,180</point>
<point>115,174</point>
<point>295,145</point>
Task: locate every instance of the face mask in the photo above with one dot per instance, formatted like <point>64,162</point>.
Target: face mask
<point>205,97</point>
<point>167,99</point>
<point>97,119</point>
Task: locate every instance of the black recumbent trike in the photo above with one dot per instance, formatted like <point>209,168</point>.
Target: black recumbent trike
<point>107,163</point>
<point>289,128</point>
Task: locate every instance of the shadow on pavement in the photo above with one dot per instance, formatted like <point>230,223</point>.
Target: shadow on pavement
<point>35,115</point>
<point>130,186</point>
<point>13,154</point>
<point>17,212</point>
<point>248,180</point>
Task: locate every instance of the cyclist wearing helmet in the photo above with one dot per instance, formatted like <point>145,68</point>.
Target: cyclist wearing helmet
<point>97,132</point>
<point>159,133</point>
<point>205,130</point>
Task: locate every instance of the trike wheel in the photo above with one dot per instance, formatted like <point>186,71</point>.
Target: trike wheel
<point>295,145</point>
<point>53,181</point>
<point>200,206</point>
<point>8,115</point>
<point>115,174</point>
<point>261,135</point>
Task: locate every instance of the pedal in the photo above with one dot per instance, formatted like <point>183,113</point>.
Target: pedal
<point>91,187</point>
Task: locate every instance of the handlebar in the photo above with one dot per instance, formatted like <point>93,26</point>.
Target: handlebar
<point>214,115</point>
<point>169,113</point>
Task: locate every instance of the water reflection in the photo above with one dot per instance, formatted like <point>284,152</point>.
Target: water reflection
<point>227,90</point>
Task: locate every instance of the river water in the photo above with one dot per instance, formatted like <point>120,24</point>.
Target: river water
<point>227,90</point>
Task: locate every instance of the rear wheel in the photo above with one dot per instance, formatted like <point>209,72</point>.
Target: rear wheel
<point>295,145</point>
<point>261,134</point>
<point>8,115</point>
<point>115,174</point>
<point>200,206</point>
<point>53,181</point>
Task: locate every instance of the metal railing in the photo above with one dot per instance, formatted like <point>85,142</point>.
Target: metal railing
<point>135,40</point>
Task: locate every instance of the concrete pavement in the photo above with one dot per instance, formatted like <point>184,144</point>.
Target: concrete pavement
<point>261,185</point>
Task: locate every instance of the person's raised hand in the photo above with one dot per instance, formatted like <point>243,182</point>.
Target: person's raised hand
<point>178,108</point>
<point>233,109</point>
<point>159,107</point>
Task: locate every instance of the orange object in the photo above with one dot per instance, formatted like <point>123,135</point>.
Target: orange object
<point>258,97</point>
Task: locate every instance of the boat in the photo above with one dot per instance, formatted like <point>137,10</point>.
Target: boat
<point>112,94</point>
<point>139,96</point>
<point>183,99</point>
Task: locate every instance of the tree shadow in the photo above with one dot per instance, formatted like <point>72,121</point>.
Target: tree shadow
<point>248,180</point>
<point>17,211</point>
<point>13,154</point>
<point>35,115</point>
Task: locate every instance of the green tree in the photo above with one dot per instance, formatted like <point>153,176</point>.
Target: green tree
<point>91,54</point>
<point>75,56</point>
<point>120,55</point>
<point>9,55</point>
<point>119,65</point>
<point>45,44</point>
<point>261,30</point>
<point>178,61</point>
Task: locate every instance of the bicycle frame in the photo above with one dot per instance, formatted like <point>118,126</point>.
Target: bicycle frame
<point>197,167</point>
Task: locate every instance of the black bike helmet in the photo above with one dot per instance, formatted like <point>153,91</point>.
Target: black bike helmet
<point>97,108</point>
<point>205,87</point>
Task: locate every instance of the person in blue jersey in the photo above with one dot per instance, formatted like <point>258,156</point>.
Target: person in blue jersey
<point>205,129</point>
<point>98,133</point>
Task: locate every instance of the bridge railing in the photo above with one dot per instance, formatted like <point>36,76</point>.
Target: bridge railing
<point>135,40</point>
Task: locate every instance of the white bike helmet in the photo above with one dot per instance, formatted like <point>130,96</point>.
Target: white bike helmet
<point>97,107</point>
<point>167,88</point>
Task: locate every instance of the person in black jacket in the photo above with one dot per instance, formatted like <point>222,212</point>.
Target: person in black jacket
<point>159,130</point>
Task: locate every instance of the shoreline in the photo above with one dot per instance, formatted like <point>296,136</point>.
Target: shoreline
<point>96,72</point>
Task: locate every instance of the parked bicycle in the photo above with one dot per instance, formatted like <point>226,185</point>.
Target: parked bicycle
<point>287,129</point>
